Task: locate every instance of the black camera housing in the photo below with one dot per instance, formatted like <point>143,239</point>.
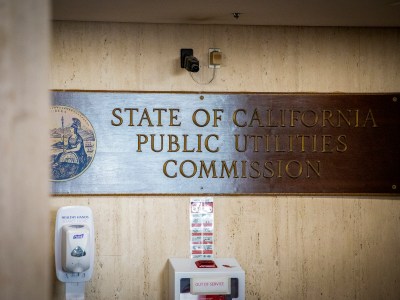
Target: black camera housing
<point>188,61</point>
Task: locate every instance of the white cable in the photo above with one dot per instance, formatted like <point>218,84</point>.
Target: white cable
<point>203,83</point>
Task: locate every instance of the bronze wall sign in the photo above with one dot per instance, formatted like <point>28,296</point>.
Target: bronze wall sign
<point>165,143</point>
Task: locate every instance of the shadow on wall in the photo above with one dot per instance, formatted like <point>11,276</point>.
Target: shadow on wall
<point>57,287</point>
<point>165,281</point>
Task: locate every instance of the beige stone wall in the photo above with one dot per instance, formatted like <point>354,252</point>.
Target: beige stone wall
<point>290,247</point>
<point>24,188</point>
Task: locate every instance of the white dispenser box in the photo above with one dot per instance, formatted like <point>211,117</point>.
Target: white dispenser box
<point>190,279</point>
<point>75,241</point>
<point>74,246</point>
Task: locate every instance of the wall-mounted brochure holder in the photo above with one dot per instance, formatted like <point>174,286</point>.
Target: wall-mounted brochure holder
<point>217,279</point>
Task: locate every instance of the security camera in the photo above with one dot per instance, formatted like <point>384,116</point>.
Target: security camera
<point>188,61</point>
<point>191,64</point>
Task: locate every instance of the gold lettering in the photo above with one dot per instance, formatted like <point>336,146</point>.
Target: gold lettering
<point>159,112</point>
<point>290,143</point>
<point>237,143</point>
<point>141,142</point>
<point>254,165</point>
<point>302,139</point>
<point>279,168</point>
<point>314,122</point>
<point>283,118</point>
<point>342,141</point>
<point>314,143</point>
<point>288,169</point>
<point>293,169</point>
<point>268,167</point>
<point>206,143</point>
<point>310,166</point>
<point>357,118</point>
<point>145,116</point>
<point>185,149</point>
<point>131,110</point>
<point>370,117</point>
<point>326,118</point>
<point>244,169</point>
<point>173,142</point>
<point>293,117</point>
<point>234,118</point>
<point>255,117</point>
<point>326,141</point>
<point>194,117</point>
<point>228,172</point>
<point>266,143</point>
<point>153,148</point>
<point>118,117</point>
<point>182,170</point>
<point>269,117</point>
<point>199,143</point>
<point>173,116</point>
<point>217,117</point>
<point>255,141</point>
<point>207,171</point>
<point>342,116</point>
<point>165,168</point>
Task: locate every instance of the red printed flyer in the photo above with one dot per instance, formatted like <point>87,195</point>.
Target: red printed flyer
<point>201,227</point>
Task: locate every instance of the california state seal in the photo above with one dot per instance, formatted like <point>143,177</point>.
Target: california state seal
<point>72,143</point>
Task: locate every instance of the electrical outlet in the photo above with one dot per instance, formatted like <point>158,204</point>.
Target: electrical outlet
<point>214,58</point>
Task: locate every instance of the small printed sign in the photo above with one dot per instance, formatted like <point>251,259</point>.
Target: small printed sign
<point>210,285</point>
<point>201,227</point>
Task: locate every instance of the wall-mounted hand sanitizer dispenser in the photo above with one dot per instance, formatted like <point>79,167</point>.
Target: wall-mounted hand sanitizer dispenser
<point>74,248</point>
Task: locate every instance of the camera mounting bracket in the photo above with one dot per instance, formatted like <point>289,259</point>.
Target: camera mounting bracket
<point>184,53</point>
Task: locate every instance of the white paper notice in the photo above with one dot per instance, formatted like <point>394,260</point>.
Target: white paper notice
<point>201,227</point>
<point>210,285</point>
